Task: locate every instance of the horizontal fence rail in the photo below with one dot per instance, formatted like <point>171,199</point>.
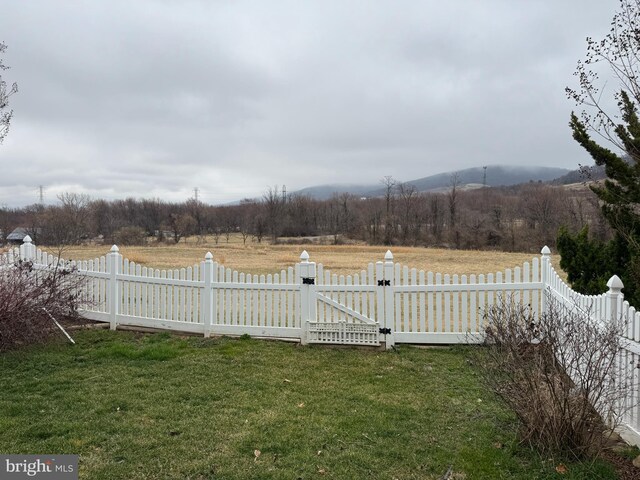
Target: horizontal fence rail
<point>386,302</point>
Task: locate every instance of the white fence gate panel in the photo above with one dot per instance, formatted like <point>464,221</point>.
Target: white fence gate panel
<point>345,306</point>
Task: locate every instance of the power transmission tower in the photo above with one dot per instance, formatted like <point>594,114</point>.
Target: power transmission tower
<point>484,176</point>
<point>41,194</point>
<point>195,193</point>
<point>284,193</point>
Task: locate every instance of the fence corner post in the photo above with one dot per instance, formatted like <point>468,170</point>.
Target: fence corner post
<point>27,249</point>
<point>207,300</point>
<point>307,295</point>
<point>614,297</point>
<point>544,274</point>
<point>115,262</point>
<point>389,307</point>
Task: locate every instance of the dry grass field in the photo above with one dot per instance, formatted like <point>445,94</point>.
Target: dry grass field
<point>340,259</point>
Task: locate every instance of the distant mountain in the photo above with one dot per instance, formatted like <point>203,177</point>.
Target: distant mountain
<point>324,192</point>
<point>496,175</point>
<point>582,174</point>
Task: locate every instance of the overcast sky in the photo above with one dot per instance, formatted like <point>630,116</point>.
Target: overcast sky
<point>154,98</point>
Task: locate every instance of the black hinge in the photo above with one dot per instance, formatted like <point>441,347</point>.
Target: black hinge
<point>385,331</point>
<point>308,281</point>
<point>384,283</point>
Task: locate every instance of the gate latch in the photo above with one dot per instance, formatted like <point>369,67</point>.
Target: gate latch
<point>385,331</point>
<point>308,281</point>
<point>384,283</point>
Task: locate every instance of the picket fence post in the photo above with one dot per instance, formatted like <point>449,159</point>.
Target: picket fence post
<point>389,312</point>
<point>308,307</point>
<point>113,287</point>
<point>206,310</point>
<point>545,269</point>
<point>614,298</point>
<point>27,249</point>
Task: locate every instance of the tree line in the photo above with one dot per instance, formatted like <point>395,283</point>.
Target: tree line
<point>518,218</point>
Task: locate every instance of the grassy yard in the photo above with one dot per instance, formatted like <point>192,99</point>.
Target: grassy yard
<point>140,406</point>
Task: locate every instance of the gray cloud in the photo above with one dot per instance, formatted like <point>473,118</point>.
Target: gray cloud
<point>153,98</point>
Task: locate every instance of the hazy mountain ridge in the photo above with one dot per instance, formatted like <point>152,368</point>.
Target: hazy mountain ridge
<point>580,175</point>
<point>496,175</point>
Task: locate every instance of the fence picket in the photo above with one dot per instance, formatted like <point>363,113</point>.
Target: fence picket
<point>163,295</point>
<point>189,296</point>
<point>439,312</point>
<point>447,305</point>
<point>291,307</point>
<point>371,279</point>
<point>457,327</point>
<point>464,306</point>
<point>473,307</point>
<point>422,325</point>
<point>269,293</point>
<point>430,302</point>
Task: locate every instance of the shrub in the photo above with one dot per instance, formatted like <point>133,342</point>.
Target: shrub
<point>29,295</point>
<point>130,236</point>
<point>557,373</point>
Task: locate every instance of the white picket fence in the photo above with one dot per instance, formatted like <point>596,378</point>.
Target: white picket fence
<point>308,303</point>
<point>384,303</point>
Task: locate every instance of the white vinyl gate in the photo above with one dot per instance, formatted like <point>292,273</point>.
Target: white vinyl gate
<point>346,309</point>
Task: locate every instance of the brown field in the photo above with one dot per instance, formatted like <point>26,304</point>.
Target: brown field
<point>341,259</point>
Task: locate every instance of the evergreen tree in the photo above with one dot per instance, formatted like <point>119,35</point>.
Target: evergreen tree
<point>589,263</point>
<point>620,192</point>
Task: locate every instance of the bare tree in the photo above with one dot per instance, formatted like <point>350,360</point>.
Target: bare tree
<point>409,217</point>
<point>389,184</point>
<point>452,196</point>
<point>259,227</point>
<point>75,207</point>
<point>542,206</point>
<point>5,92</point>
<point>180,225</point>
<point>6,224</point>
<point>151,214</point>
<point>274,204</point>
<point>436,214</point>
<point>197,211</point>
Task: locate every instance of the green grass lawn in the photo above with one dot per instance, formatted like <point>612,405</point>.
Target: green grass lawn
<point>137,406</point>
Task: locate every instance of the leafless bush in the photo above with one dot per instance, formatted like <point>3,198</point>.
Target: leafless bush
<point>130,236</point>
<point>29,294</point>
<point>556,372</point>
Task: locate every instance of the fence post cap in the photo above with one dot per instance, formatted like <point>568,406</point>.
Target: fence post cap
<point>208,256</point>
<point>388,256</point>
<point>27,239</point>
<point>304,256</point>
<point>615,284</point>
<point>545,251</point>
<point>115,249</point>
